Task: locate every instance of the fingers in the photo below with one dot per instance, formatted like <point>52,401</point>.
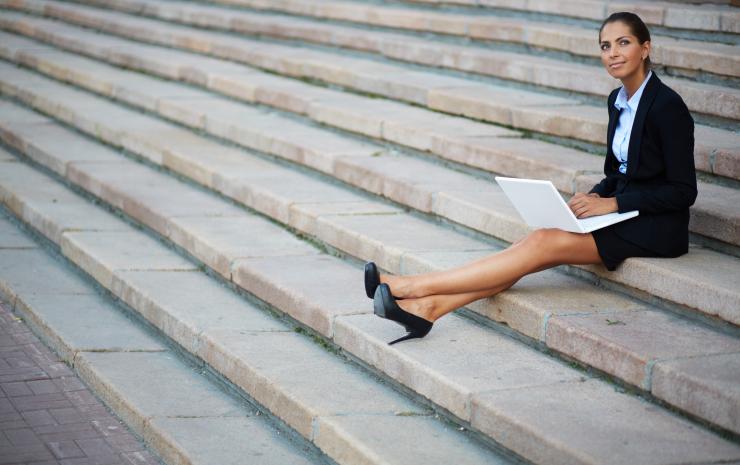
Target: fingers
<point>583,211</point>
<point>584,207</point>
<point>575,200</point>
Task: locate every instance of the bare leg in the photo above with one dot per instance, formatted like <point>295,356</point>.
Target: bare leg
<point>540,250</point>
<point>434,307</point>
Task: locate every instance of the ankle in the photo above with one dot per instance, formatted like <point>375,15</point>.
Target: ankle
<point>422,307</point>
<point>400,286</point>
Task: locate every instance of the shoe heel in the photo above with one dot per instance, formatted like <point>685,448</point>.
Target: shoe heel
<point>411,335</point>
<point>405,338</point>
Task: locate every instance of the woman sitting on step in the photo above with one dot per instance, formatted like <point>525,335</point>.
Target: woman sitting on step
<point>649,167</point>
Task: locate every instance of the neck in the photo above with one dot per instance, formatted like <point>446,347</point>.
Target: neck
<point>633,82</point>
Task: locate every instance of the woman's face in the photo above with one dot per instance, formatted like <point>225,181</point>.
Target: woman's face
<point>621,53</point>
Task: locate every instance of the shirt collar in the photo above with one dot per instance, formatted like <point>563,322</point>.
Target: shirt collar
<point>621,102</point>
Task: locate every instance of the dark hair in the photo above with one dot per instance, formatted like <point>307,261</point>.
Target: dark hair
<point>636,25</point>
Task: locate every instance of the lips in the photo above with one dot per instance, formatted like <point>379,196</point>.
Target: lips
<point>615,65</point>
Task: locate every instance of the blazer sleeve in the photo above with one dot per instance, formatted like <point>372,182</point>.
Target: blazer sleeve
<point>604,187</point>
<point>676,140</point>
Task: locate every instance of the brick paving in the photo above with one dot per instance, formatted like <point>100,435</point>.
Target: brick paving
<point>47,416</point>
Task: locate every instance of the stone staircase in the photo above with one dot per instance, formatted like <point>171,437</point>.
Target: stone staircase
<point>223,171</point>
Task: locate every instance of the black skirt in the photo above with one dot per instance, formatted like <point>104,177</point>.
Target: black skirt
<point>613,250</point>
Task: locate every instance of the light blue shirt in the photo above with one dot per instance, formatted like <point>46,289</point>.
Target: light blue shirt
<point>621,142</point>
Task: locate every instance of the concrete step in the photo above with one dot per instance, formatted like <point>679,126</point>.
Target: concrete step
<point>288,374</point>
<point>473,387</point>
<point>531,307</point>
<point>688,56</point>
<point>450,196</point>
<point>716,150</point>
<point>669,14</point>
<point>131,370</point>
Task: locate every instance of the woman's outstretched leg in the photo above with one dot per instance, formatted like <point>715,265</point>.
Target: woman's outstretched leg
<point>540,250</point>
<point>433,307</point>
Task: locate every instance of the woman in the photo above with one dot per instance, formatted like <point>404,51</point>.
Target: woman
<point>649,167</point>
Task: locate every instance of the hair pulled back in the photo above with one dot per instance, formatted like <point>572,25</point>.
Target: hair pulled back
<point>636,25</point>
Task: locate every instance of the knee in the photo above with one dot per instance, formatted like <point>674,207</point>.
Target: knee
<point>542,238</point>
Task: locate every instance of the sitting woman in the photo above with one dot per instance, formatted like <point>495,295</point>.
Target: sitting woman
<point>649,167</point>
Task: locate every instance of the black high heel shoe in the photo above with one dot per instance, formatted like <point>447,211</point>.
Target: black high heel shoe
<point>372,279</point>
<point>385,306</point>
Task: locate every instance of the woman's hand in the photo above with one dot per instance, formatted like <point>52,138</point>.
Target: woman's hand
<point>585,205</point>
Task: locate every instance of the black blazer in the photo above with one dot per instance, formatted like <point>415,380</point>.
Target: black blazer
<point>661,180</point>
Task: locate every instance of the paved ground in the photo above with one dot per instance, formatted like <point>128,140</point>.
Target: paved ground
<point>47,416</point>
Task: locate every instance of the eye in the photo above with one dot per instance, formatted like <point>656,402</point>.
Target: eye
<point>604,46</point>
<point>624,42</point>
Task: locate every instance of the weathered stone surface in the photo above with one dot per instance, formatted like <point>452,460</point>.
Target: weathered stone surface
<point>218,241</point>
<point>691,18</point>
<point>118,378</point>
<point>295,388</point>
<point>54,147</point>
<point>305,287</point>
<point>466,359</point>
<point>627,343</point>
<point>83,322</point>
<point>717,149</point>
<point>487,210</point>
<point>519,158</point>
<point>716,213</point>
<point>146,195</point>
<point>535,300</point>
<point>705,386</point>
<point>222,441</point>
<point>11,237</point>
<point>399,179</point>
<point>304,216</point>
<point>201,159</point>
<point>385,239</point>
<point>49,207</point>
<point>100,254</point>
<point>564,424</point>
<point>287,94</point>
<point>702,279</point>
<point>183,304</point>
<point>582,122</point>
<point>352,113</point>
<point>486,103</point>
<point>275,190</point>
<point>37,268</point>
<point>7,157</point>
<point>407,439</point>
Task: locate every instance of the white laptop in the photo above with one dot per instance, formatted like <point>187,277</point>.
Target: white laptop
<point>541,206</point>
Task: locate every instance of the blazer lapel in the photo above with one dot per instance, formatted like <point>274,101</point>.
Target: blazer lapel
<point>612,128</point>
<point>646,101</point>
